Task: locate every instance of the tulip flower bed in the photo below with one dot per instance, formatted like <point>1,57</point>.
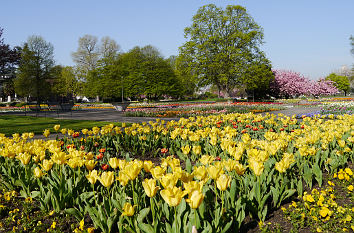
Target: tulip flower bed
<point>204,173</point>
<point>204,109</point>
<point>332,109</point>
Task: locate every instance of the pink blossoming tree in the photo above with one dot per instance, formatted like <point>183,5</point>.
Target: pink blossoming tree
<point>292,84</point>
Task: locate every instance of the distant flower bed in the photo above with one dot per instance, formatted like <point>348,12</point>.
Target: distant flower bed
<point>87,106</point>
<point>333,109</point>
<point>12,109</point>
<point>189,110</point>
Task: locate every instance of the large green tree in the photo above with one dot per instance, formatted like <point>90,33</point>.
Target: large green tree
<point>340,82</point>
<point>141,71</point>
<point>66,83</point>
<point>184,74</point>
<point>91,55</point>
<point>222,45</point>
<point>34,77</point>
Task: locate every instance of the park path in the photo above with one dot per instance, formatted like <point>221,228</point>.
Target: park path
<point>114,116</point>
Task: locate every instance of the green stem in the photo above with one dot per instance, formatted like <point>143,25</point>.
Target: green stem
<point>94,194</point>
<point>195,218</point>
<point>130,222</point>
<point>216,193</point>
<point>109,199</point>
<point>222,202</point>
<point>176,218</point>
<point>152,210</point>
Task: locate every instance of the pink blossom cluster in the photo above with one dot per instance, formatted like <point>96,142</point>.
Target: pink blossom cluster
<point>293,84</point>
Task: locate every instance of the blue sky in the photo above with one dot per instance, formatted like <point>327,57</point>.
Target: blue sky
<point>306,36</point>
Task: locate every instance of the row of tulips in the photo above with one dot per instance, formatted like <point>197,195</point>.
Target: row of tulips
<point>190,110</point>
<point>225,168</point>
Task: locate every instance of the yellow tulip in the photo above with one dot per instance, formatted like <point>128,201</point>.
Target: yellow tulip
<point>56,127</point>
<point>132,170</point>
<point>148,165</point>
<point>195,198</point>
<point>214,171</point>
<point>107,179</point>
<point>206,159</point>
<point>256,166</point>
<point>74,163</point>
<point>128,209</point>
<point>223,182</point>
<point>157,172</point>
<point>341,143</point>
<point>113,162</point>
<point>84,131</point>
<point>240,170</point>
<point>47,164</point>
<point>59,158</point>
<point>25,158</point>
<point>38,172</point>
<point>280,166</point>
<point>46,133</point>
<point>185,177</point>
<point>92,176</point>
<point>213,140</point>
<point>197,150</point>
<point>122,163</point>
<point>95,130</point>
<point>200,172</point>
<point>16,137</point>
<point>90,164</point>
<point>172,196</point>
<point>174,163</point>
<point>150,187</point>
<point>88,156</point>
<point>186,149</point>
<point>70,132</point>
<point>168,180</point>
<point>193,185</point>
<point>123,178</point>
<point>63,131</point>
<point>24,136</point>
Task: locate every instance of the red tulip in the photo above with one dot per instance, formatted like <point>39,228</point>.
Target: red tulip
<point>99,156</point>
<point>104,167</point>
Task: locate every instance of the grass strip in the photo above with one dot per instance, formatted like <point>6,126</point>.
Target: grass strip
<point>21,124</point>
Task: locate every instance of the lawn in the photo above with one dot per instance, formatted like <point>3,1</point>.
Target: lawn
<point>20,124</point>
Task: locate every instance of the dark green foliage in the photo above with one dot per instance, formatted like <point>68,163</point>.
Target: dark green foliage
<point>9,60</point>
<point>35,69</point>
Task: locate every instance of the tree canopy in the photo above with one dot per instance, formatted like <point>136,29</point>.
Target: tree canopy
<point>137,73</point>
<point>292,84</point>
<point>222,47</point>
<point>9,60</point>
<point>340,82</point>
<point>34,73</point>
